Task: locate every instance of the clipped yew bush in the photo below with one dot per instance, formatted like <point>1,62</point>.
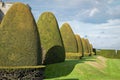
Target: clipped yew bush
<point>96,51</point>
<point>80,46</point>
<point>88,47</point>
<point>69,39</point>
<point>51,40</point>
<point>85,48</point>
<point>108,53</point>
<point>91,49</point>
<point>19,39</point>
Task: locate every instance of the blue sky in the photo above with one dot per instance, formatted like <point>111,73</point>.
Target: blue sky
<point>97,20</point>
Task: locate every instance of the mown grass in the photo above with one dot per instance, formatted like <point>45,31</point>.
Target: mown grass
<point>80,70</point>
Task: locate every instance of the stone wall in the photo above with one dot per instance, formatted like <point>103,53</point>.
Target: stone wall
<point>22,74</point>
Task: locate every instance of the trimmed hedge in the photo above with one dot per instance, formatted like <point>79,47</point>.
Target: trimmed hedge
<point>19,39</point>
<point>118,54</point>
<point>69,39</point>
<point>91,48</point>
<point>108,53</point>
<point>85,48</point>
<point>96,51</point>
<point>88,47</point>
<point>80,46</point>
<point>51,40</point>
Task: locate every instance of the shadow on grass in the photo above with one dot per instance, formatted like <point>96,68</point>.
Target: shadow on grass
<point>64,68</point>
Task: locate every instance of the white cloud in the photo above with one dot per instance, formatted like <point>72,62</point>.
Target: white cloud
<point>93,12</point>
<point>111,24</point>
<point>90,11</point>
<point>110,1</point>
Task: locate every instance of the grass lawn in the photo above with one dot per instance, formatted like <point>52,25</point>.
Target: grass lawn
<point>88,68</point>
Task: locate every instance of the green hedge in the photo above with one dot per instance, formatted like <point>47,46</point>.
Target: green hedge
<point>80,46</point>
<point>69,39</point>
<point>95,51</point>
<point>19,39</point>
<point>91,49</point>
<point>85,48</point>
<point>108,53</point>
<point>118,54</point>
<point>51,40</point>
<point>88,47</point>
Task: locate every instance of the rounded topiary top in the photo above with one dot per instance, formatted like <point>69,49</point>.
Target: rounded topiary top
<point>51,41</point>
<point>19,40</point>
<point>69,39</point>
<point>79,43</point>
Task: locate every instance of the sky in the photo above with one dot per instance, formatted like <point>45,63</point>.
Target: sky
<point>97,20</point>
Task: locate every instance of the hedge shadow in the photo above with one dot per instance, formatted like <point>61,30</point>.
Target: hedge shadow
<point>54,55</point>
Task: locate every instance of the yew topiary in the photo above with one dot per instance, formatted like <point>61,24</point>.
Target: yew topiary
<point>79,44</point>
<point>88,47</point>
<point>69,39</point>
<point>91,48</point>
<point>85,48</point>
<point>19,39</point>
<point>51,40</point>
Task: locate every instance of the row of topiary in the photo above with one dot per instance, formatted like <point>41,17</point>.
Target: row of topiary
<point>73,43</point>
<point>25,43</point>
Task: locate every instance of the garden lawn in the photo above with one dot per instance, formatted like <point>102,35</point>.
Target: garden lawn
<point>87,68</point>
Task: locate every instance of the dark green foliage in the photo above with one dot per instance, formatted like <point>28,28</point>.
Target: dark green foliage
<point>69,39</point>
<point>19,39</point>
<point>108,53</point>
<point>96,51</point>
<point>79,44</point>
<point>53,55</point>
<point>118,54</point>
<point>51,41</point>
